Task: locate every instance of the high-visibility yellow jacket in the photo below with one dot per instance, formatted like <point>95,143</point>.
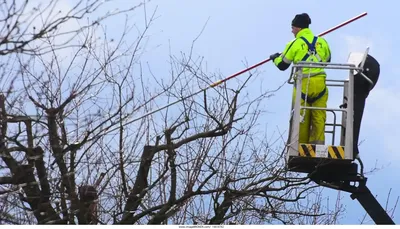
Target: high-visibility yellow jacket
<point>298,50</point>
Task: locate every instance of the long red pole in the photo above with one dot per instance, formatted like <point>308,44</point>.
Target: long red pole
<point>265,61</point>
<point>232,76</point>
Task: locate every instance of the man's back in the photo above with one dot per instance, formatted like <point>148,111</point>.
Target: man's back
<point>297,50</point>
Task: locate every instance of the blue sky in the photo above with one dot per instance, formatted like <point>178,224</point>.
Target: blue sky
<point>251,30</point>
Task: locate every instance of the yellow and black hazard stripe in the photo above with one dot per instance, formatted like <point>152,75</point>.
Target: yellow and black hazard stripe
<point>308,150</point>
<point>336,152</point>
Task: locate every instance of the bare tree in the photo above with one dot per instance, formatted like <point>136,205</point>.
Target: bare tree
<point>80,143</point>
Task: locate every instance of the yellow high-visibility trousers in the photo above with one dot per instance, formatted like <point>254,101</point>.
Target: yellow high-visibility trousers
<point>312,129</point>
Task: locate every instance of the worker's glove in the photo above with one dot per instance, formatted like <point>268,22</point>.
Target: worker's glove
<point>274,56</point>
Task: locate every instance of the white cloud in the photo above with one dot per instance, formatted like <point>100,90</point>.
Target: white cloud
<point>381,114</point>
<point>39,14</point>
<point>51,12</point>
<point>382,118</point>
<point>380,46</point>
<point>357,43</point>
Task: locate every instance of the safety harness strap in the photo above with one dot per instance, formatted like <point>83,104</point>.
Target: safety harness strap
<point>311,100</point>
<point>311,48</point>
<point>312,51</point>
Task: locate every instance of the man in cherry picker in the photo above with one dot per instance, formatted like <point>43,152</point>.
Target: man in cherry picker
<point>308,47</point>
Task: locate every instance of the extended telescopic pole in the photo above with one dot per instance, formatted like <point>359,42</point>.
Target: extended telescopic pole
<point>236,74</point>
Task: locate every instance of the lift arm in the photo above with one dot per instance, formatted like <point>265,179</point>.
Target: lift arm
<point>361,192</point>
<point>372,206</point>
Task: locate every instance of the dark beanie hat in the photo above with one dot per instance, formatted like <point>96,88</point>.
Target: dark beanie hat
<point>301,20</point>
